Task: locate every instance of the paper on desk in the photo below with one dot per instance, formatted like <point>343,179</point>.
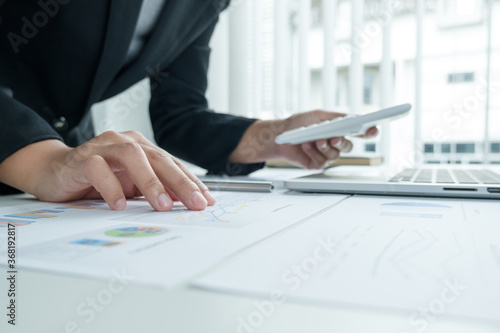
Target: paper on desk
<point>423,256</point>
<point>87,239</point>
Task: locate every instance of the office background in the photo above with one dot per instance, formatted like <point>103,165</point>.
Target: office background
<point>275,58</point>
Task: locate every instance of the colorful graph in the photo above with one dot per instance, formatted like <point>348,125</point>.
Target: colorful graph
<point>5,221</point>
<point>29,217</point>
<point>95,242</point>
<point>37,214</point>
<point>134,232</point>
<point>82,205</point>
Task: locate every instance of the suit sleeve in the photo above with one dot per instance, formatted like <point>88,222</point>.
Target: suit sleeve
<point>20,126</point>
<point>182,121</point>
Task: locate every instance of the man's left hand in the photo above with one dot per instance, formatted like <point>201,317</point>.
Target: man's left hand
<point>257,144</point>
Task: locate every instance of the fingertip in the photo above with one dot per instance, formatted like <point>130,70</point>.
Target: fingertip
<point>120,204</point>
<point>164,202</point>
<point>372,131</point>
<point>334,141</point>
<point>209,197</point>
<point>349,147</point>
<point>322,144</point>
<point>198,202</point>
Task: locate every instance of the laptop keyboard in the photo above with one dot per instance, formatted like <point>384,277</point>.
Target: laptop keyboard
<point>444,176</point>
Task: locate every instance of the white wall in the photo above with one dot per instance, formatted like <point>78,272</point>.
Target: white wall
<point>124,112</point>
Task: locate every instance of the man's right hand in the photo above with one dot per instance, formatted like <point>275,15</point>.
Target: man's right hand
<point>112,166</point>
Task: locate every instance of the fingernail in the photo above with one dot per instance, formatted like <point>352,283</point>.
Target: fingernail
<point>120,204</point>
<point>338,144</point>
<point>198,200</point>
<point>209,196</point>
<point>164,201</point>
<point>324,146</point>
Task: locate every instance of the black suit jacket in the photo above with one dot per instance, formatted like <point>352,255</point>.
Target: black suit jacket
<point>59,57</point>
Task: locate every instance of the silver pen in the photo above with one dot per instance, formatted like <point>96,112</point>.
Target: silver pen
<point>238,185</point>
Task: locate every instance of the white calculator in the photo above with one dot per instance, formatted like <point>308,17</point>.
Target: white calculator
<point>342,126</point>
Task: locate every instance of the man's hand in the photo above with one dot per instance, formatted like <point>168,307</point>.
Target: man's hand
<point>257,144</point>
<point>112,166</point>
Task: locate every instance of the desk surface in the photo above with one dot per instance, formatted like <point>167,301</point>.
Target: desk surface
<point>53,303</point>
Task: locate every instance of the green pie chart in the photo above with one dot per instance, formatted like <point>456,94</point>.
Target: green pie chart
<point>134,232</point>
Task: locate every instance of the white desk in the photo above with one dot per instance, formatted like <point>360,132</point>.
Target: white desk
<point>48,303</point>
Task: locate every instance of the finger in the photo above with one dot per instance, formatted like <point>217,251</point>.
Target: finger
<point>98,173</point>
<point>160,154</point>
<point>317,159</point>
<point>132,159</point>
<point>341,144</point>
<point>370,133</point>
<point>150,147</point>
<point>203,188</point>
<point>139,138</point>
<point>135,136</point>
<point>172,195</point>
<point>299,157</point>
<point>327,115</point>
<point>128,186</point>
<point>109,137</point>
<point>175,180</point>
<point>331,154</point>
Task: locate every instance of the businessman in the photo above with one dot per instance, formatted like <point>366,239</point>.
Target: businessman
<point>59,57</point>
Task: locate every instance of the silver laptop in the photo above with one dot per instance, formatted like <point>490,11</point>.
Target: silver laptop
<point>429,181</point>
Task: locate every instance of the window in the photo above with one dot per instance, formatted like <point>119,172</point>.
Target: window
<point>495,147</point>
<point>429,148</point>
<point>456,13</point>
<point>370,147</point>
<point>295,74</point>
<point>445,148</point>
<point>460,77</point>
<point>369,86</point>
<point>466,148</point>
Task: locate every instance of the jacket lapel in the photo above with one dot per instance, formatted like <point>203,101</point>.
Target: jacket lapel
<point>122,20</point>
<point>179,24</point>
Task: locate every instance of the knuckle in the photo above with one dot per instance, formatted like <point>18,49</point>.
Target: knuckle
<point>131,149</point>
<point>185,182</point>
<point>86,149</point>
<point>111,135</point>
<point>159,155</point>
<point>92,162</point>
<point>135,135</point>
<point>317,113</point>
<point>153,182</point>
<point>175,159</point>
<point>200,185</point>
